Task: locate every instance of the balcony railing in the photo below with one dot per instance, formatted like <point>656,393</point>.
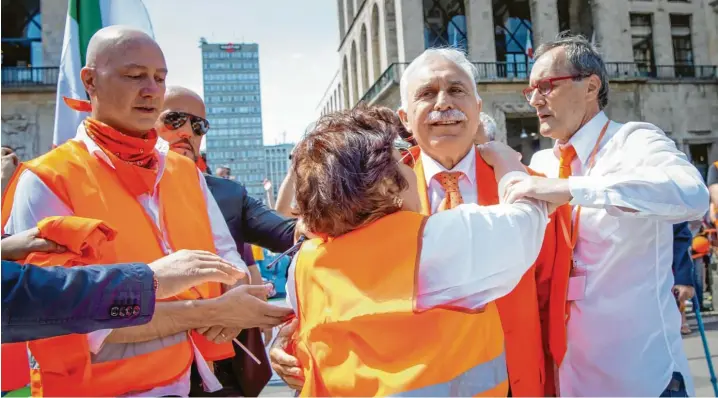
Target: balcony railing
<point>508,71</point>
<point>22,77</point>
<point>392,74</point>
<point>618,70</point>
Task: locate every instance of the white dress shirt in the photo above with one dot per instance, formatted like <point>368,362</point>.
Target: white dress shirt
<point>34,201</point>
<point>466,259</point>
<point>624,336</point>
<point>467,180</point>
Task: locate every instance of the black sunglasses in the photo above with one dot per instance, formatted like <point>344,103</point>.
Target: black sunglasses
<point>175,120</point>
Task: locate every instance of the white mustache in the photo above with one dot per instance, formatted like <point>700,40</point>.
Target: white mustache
<point>451,115</point>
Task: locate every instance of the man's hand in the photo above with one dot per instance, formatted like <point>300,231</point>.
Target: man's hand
<point>552,190</point>
<point>286,366</point>
<point>9,164</point>
<point>181,270</point>
<point>219,334</point>
<point>501,157</point>
<point>684,292</point>
<point>268,333</point>
<point>19,246</point>
<point>245,307</point>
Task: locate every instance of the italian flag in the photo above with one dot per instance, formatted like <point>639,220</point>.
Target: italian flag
<point>84,18</point>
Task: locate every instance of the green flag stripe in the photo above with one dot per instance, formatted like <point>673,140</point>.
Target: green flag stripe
<point>89,20</point>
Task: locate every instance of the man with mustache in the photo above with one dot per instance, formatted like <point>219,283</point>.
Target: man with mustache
<point>182,124</point>
<point>440,109</point>
<point>158,203</point>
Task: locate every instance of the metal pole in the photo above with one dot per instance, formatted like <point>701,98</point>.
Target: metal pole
<point>709,359</point>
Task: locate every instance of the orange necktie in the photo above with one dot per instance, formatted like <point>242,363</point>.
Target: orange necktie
<point>449,181</point>
<point>568,153</point>
<point>561,309</point>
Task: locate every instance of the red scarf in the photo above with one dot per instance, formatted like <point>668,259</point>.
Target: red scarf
<point>134,158</point>
<point>201,164</point>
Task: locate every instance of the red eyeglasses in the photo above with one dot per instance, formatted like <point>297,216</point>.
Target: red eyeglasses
<point>545,86</point>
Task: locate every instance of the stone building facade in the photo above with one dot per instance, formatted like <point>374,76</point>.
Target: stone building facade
<point>32,34</point>
<point>661,56</point>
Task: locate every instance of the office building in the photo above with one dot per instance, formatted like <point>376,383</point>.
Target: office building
<point>277,158</point>
<point>232,95</point>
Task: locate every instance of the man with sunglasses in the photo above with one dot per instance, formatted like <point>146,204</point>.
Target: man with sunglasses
<point>114,171</point>
<point>182,124</point>
<point>614,326</point>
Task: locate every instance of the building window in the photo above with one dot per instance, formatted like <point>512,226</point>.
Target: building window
<point>642,38</point>
<point>699,157</point>
<point>21,33</point>
<point>445,24</point>
<point>513,37</point>
<point>682,45</point>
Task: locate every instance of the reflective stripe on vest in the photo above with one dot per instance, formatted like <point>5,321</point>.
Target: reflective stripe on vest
<point>480,378</point>
<point>116,351</point>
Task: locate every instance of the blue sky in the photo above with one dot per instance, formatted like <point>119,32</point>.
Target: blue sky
<point>297,41</point>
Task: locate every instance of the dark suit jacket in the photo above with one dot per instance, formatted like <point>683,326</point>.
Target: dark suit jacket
<point>248,219</point>
<point>682,261</point>
<point>40,302</point>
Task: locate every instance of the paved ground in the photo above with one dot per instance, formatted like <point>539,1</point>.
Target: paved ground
<point>694,350</point>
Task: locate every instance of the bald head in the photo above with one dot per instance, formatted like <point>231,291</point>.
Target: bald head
<point>182,99</point>
<point>125,77</point>
<point>113,41</point>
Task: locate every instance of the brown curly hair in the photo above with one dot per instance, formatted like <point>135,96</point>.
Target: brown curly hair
<point>346,174</point>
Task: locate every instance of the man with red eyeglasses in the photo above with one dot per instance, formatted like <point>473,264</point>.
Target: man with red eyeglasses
<point>614,327</point>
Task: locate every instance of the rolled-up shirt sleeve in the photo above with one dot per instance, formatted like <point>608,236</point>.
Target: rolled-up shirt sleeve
<point>654,179</point>
<point>472,255</point>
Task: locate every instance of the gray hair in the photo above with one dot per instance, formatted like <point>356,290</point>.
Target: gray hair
<point>583,58</point>
<point>451,54</point>
<point>489,125</point>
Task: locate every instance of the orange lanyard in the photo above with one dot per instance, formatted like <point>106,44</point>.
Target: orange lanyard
<point>591,162</point>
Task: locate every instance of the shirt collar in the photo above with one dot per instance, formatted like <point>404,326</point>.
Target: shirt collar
<point>585,138</point>
<point>161,148</point>
<point>467,165</point>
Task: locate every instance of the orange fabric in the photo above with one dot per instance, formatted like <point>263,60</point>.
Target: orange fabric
<point>133,158</point>
<point>359,331</point>
<point>78,105</point>
<point>201,164</point>
<point>524,312</point>
<point>84,239</point>
<point>449,181</point>
<point>92,189</point>
<point>701,246</point>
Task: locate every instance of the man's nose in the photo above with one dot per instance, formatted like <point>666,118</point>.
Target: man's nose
<point>184,131</point>
<point>152,89</point>
<point>537,99</point>
<point>443,101</point>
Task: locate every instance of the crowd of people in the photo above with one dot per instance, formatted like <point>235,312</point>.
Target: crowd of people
<point>427,260</point>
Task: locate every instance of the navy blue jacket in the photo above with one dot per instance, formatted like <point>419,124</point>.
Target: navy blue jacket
<point>682,261</point>
<point>250,221</point>
<point>40,302</point>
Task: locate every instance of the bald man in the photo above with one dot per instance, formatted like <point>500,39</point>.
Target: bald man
<point>182,124</point>
<point>158,203</point>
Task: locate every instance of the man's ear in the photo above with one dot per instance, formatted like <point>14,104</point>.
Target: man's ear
<point>594,86</point>
<point>480,104</point>
<point>87,75</point>
<point>404,119</point>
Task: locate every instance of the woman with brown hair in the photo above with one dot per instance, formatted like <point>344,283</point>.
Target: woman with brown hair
<point>390,301</point>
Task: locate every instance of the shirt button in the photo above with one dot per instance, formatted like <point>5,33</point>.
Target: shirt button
<point>136,310</point>
<point>114,311</point>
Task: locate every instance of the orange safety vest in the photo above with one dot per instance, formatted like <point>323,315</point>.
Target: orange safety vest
<point>83,238</point>
<point>360,333</point>
<point>523,309</point>
<point>91,189</point>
